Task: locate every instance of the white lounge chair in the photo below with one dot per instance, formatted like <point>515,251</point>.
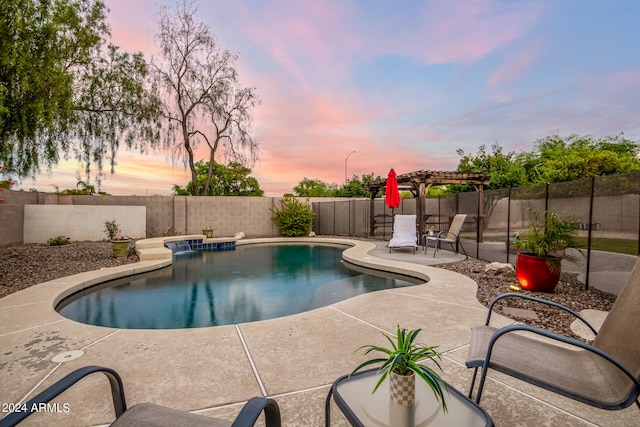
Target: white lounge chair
<point>404,233</point>
<point>452,236</point>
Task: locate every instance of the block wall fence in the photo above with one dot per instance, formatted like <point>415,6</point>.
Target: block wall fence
<point>164,214</point>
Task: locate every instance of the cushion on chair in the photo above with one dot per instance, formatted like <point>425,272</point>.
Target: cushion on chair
<point>579,374</point>
<point>150,415</point>
<point>404,232</point>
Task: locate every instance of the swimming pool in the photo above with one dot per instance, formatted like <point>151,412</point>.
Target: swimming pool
<point>252,282</point>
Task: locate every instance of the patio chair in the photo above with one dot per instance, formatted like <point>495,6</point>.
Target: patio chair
<point>452,236</point>
<point>147,414</point>
<point>604,374</point>
<point>404,233</point>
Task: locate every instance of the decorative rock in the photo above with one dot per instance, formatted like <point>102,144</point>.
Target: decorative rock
<point>499,268</point>
<point>239,235</point>
<point>312,234</point>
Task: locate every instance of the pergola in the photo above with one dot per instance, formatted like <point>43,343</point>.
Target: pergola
<point>419,182</point>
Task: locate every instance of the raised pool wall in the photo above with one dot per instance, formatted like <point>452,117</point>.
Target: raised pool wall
<point>81,222</point>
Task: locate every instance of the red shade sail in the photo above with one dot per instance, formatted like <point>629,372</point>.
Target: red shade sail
<point>392,195</point>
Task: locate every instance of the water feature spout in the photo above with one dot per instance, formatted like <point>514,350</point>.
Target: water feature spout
<point>180,246</point>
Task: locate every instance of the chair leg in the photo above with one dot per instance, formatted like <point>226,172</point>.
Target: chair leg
<point>459,244</point>
<point>483,377</point>
<point>473,382</point>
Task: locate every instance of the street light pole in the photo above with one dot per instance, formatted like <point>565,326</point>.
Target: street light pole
<point>345,167</point>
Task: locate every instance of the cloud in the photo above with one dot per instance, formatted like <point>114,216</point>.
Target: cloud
<point>511,71</point>
<point>402,86</point>
<point>455,32</point>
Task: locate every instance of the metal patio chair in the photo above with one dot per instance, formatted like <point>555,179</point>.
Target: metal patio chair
<point>605,374</point>
<point>452,236</point>
<point>147,414</point>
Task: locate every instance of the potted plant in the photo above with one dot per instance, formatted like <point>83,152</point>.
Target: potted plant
<point>400,364</point>
<point>208,232</point>
<point>119,242</point>
<point>543,247</point>
<point>431,230</point>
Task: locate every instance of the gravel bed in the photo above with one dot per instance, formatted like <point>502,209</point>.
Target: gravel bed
<point>25,265</point>
<point>569,292</point>
<point>22,266</point>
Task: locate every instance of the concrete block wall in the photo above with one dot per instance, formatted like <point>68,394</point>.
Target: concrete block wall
<point>12,215</point>
<point>159,216</point>
<point>81,222</point>
<point>164,214</point>
<point>230,215</point>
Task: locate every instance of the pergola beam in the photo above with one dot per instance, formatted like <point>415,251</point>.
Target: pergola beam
<point>419,182</point>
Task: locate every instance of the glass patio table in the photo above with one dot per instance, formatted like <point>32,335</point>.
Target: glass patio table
<point>353,397</point>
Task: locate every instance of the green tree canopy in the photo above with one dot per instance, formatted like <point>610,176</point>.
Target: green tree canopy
<point>230,180</point>
<point>314,188</point>
<point>561,159</point>
<point>554,159</point>
<point>355,186</point>
<point>506,168</point>
<point>317,188</point>
<point>66,91</point>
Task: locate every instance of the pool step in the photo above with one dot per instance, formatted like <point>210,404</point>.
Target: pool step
<point>154,248</point>
<point>154,253</point>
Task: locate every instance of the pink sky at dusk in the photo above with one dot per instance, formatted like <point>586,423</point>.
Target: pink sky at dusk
<point>404,84</point>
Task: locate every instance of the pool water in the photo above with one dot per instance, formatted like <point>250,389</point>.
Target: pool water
<point>252,282</point>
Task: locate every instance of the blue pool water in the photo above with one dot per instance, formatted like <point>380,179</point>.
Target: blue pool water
<point>252,282</point>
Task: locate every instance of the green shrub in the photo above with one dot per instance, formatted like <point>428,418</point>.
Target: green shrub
<point>294,218</point>
<point>58,241</point>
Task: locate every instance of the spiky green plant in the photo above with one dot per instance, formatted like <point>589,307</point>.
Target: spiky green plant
<point>58,241</point>
<point>549,238</point>
<point>403,357</point>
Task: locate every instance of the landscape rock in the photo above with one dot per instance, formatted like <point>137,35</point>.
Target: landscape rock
<point>499,268</point>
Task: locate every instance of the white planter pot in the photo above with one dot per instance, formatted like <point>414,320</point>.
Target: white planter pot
<point>402,389</point>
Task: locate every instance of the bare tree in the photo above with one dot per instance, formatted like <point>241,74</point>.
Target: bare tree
<point>202,100</point>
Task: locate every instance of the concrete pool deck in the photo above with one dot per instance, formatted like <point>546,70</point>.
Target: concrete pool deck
<point>294,359</point>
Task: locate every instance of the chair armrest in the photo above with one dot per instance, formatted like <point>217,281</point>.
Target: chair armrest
<point>538,300</point>
<point>117,393</point>
<point>557,337</point>
<point>252,410</point>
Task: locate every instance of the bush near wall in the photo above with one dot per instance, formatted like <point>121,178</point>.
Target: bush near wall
<point>293,218</point>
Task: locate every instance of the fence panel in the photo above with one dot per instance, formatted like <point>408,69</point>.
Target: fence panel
<point>605,209</point>
<point>615,227</point>
<point>571,200</point>
<point>495,237</point>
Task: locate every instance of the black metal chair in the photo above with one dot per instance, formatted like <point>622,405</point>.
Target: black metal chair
<point>147,414</point>
<point>605,374</point>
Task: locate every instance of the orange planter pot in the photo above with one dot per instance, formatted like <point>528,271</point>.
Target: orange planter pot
<point>534,275</point>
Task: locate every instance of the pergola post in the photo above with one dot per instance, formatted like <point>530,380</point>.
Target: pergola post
<point>421,181</point>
